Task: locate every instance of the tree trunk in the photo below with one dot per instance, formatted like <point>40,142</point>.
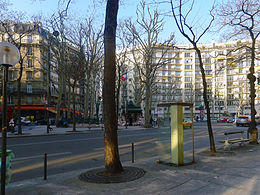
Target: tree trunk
<point>206,102</point>
<point>19,100</point>
<point>252,129</point>
<point>86,110</point>
<point>147,109</point>
<point>112,160</point>
<point>74,108</point>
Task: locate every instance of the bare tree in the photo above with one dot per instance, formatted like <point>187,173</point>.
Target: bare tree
<point>189,32</point>
<point>243,19</point>
<point>112,159</point>
<point>144,36</point>
<point>75,72</point>
<point>121,67</point>
<point>57,23</point>
<point>93,51</point>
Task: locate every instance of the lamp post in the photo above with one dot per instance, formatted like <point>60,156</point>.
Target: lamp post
<point>9,56</point>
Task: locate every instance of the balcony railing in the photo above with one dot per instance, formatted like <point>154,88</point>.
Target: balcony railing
<point>25,91</point>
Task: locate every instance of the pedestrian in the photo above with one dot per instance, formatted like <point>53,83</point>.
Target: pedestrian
<point>151,121</point>
<point>11,125</point>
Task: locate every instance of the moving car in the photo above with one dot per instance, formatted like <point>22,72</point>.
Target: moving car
<point>187,123</point>
<point>222,119</point>
<point>243,121</point>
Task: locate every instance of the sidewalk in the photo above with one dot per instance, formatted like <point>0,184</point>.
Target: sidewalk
<point>41,130</point>
<point>231,172</point>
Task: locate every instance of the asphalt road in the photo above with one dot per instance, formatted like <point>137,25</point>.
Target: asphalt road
<point>83,151</point>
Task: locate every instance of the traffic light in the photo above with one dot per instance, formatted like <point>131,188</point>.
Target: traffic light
<point>258,80</point>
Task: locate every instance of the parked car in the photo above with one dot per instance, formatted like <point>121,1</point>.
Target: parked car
<point>25,121</point>
<point>231,120</point>
<point>222,119</point>
<point>243,121</point>
<point>187,123</point>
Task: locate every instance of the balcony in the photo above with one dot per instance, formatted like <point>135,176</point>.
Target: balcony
<point>35,91</point>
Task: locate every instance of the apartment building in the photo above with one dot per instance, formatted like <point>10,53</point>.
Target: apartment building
<point>38,62</point>
<point>226,67</point>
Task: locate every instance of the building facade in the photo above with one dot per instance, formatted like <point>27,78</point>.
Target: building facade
<point>39,70</point>
<point>179,79</point>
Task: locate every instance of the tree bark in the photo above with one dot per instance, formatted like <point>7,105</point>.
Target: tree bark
<point>206,102</point>
<point>112,160</point>
<point>74,107</point>
<point>19,98</point>
<point>148,114</point>
<point>252,129</point>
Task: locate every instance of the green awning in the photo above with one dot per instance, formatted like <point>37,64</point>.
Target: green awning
<point>134,110</point>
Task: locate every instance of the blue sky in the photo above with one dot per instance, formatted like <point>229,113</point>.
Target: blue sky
<point>83,8</point>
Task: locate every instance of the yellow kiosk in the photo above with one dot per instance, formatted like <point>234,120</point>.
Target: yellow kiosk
<point>176,124</point>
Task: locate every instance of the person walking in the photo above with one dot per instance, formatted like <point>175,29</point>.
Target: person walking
<point>11,125</point>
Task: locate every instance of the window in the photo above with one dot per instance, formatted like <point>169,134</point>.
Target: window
<point>29,100</point>
<point>178,79</point>
<point>163,72</point>
<point>169,72</point>
<point>187,55</point>
<point>10,75</point>
<point>207,60</point>
<point>187,79</point>
<point>230,78</point>
<point>177,68</point>
<point>177,73</point>
<point>169,55</point>
<point>29,63</point>
<point>10,100</point>
<point>29,75</point>
<point>188,85</point>
<point>10,88</point>
<point>188,67</point>
<point>178,91</point>
<point>177,55</point>
<point>29,88</point>
<point>188,73</point>
<point>29,39</point>
<point>177,61</point>
<point>207,67</point>
<point>29,51</point>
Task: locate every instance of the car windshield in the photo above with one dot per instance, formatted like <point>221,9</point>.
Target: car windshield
<point>245,117</point>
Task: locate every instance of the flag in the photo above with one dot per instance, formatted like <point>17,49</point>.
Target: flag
<point>124,77</point>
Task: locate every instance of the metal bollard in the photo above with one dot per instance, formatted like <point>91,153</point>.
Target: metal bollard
<point>45,166</point>
<point>133,153</point>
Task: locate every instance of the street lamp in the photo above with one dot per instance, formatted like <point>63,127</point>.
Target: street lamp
<point>9,56</point>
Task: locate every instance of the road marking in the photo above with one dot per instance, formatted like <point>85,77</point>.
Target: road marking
<point>38,156</point>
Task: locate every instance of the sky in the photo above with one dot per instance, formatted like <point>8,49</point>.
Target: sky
<point>83,8</point>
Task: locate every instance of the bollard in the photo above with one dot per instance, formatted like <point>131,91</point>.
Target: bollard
<point>45,166</point>
<point>133,154</point>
